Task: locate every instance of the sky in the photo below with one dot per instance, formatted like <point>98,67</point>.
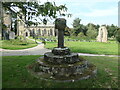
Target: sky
<point>91,11</point>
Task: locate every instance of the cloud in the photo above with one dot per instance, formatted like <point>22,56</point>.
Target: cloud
<point>94,11</point>
<point>99,13</point>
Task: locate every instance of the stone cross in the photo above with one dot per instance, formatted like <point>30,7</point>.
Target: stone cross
<point>60,24</point>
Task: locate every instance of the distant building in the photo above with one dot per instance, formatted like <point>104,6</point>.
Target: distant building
<point>6,23</point>
<point>40,30</point>
<point>23,30</point>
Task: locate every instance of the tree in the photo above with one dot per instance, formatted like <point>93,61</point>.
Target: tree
<point>92,31</point>
<point>112,30</point>
<point>67,31</point>
<point>48,10</point>
<point>76,22</point>
<point>79,27</point>
<point>31,10</point>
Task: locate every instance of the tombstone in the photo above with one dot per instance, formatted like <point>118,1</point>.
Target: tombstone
<point>102,34</point>
<point>11,35</point>
<point>61,64</point>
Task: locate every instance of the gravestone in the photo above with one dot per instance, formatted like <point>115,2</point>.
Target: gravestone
<point>102,34</point>
<point>61,64</point>
<point>11,35</point>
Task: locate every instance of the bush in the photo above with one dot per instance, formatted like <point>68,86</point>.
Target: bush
<point>118,36</point>
<point>92,34</point>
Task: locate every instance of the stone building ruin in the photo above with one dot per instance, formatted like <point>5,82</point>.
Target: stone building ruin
<point>102,34</point>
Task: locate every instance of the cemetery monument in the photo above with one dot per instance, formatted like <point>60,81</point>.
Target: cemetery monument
<point>61,64</point>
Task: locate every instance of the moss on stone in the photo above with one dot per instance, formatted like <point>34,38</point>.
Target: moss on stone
<point>81,62</point>
<point>89,72</point>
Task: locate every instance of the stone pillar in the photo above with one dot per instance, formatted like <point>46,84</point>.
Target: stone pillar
<point>99,37</point>
<point>47,32</point>
<point>40,32</point>
<point>43,32</point>
<point>53,32</point>
<point>60,24</point>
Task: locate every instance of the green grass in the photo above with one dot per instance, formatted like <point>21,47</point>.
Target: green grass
<point>15,74</point>
<point>89,47</point>
<point>17,44</point>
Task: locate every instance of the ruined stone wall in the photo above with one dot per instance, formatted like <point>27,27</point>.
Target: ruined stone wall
<point>102,34</point>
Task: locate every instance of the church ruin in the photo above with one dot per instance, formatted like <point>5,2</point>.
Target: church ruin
<point>102,34</point>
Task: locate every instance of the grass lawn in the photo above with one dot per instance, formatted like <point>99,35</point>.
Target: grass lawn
<point>89,47</point>
<point>17,44</point>
<point>15,74</point>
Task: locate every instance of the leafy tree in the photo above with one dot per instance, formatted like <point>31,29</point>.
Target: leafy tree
<point>67,31</point>
<point>31,10</point>
<point>84,29</point>
<point>97,27</point>
<point>92,31</point>
<point>92,34</point>
<point>79,27</point>
<point>76,22</point>
<point>91,26</point>
<point>48,10</point>
<point>81,36</point>
<point>112,30</point>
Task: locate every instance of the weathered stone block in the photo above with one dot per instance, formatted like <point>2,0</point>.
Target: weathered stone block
<point>58,59</point>
<point>61,51</point>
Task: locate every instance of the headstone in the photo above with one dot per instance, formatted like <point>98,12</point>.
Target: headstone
<point>102,34</point>
<point>11,35</point>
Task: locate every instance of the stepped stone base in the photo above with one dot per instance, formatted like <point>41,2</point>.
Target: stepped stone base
<point>61,51</point>
<point>63,72</point>
<point>57,59</point>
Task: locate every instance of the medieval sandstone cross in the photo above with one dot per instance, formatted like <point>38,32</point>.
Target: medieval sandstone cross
<point>60,24</point>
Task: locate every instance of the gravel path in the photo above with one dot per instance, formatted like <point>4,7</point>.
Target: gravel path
<point>86,54</point>
<point>38,50</point>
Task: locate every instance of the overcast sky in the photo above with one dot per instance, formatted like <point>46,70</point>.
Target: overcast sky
<point>91,11</point>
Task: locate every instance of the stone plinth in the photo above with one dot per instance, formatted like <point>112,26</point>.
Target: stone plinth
<point>61,51</point>
<point>65,59</point>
